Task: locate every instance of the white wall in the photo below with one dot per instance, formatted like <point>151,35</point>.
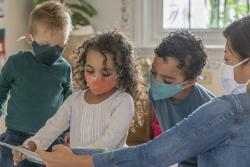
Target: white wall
<point>15,23</point>
<point>108,16</point>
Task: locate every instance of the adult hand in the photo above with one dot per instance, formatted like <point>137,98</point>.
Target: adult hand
<point>63,156</point>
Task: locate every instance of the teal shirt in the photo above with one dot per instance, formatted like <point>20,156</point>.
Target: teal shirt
<point>36,90</point>
<point>169,113</point>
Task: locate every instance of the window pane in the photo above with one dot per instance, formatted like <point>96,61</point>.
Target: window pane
<point>202,14</point>
<point>175,14</point>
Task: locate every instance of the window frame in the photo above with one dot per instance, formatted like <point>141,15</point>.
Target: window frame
<point>148,30</point>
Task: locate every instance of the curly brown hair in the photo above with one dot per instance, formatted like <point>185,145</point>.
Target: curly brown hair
<point>129,80</point>
<point>187,48</point>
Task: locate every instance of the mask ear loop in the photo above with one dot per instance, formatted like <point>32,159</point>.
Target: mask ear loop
<point>236,65</point>
<point>240,64</point>
<point>21,38</point>
<point>248,82</point>
<point>183,84</point>
<point>232,51</point>
<point>28,37</point>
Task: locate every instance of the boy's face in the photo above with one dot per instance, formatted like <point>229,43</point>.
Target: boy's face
<point>44,36</point>
<point>167,71</point>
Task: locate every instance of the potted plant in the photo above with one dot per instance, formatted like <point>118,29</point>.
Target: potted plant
<point>81,12</point>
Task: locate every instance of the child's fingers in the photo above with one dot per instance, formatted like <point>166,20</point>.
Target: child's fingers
<point>16,154</point>
<point>17,157</point>
<point>66,140</point>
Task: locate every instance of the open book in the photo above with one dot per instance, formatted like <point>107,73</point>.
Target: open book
<point>30,156</point>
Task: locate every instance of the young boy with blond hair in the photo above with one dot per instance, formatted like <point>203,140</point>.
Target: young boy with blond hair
<point>37,81</point>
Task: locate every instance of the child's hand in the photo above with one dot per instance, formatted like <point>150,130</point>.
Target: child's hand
<point>17,156</point>
<point>63,156</point>
<point>67,139</point>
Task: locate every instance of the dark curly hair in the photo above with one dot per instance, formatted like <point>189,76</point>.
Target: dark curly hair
<point>187,48</point>
<point>130,80</point>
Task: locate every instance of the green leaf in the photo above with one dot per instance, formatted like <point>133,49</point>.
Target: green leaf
<point>83,9</point>
<point>79,19</point>
<point>88,5</point>
<point>79,11</point>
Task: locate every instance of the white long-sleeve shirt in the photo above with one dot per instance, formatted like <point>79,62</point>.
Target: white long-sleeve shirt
<point>103,125</point>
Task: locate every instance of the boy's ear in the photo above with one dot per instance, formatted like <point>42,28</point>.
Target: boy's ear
<point>190,83</point>
<point>29,38</point>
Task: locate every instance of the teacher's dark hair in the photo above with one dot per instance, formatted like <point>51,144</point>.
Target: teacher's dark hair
<point>238,34</point>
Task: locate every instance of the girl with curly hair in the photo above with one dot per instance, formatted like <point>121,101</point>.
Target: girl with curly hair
<point>113,45</point>
<point>99,113</point>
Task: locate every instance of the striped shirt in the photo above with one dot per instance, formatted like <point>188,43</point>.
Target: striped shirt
<point>103,125</point>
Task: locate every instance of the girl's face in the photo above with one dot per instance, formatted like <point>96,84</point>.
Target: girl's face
<point>96,68</point>
<point>231,57</point>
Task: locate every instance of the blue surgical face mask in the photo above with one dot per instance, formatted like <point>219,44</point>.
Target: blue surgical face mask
<point>47,54</point>
<point>161,90</point>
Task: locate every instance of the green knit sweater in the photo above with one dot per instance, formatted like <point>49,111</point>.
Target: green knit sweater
<point>36,90</point>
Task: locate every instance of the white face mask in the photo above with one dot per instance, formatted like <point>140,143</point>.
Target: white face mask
<point>228,81</point>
